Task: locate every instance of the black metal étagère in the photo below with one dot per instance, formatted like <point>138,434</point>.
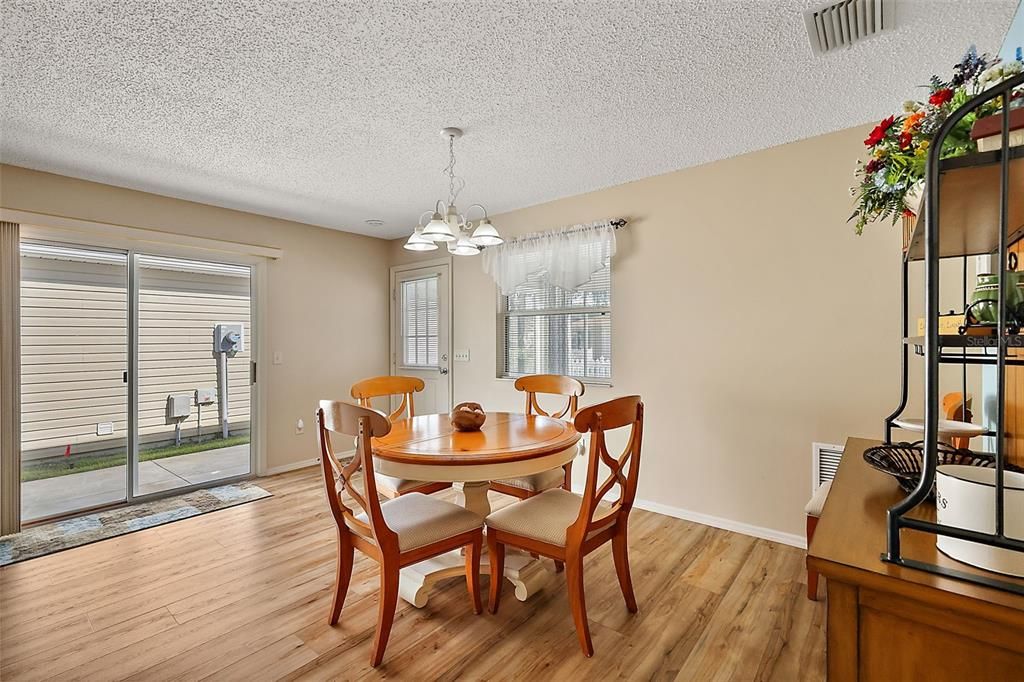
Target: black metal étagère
<point>964,350</point>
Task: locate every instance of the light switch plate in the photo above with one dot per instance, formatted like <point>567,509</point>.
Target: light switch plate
<point>278,357</point>
<point>462,356</point>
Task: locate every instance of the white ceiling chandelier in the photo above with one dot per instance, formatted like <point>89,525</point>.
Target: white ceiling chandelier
<point>446,224</point>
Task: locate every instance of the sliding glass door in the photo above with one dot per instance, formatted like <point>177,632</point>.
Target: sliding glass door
<point>193,350</point>
<point>74,381</point>
<point>136,376</point>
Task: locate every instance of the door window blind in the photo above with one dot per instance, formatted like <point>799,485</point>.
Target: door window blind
<point>549,330</point>
<point>419,322</point>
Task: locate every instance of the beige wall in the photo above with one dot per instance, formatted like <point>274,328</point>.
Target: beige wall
<point>326,297</point>
<point>746,313</point>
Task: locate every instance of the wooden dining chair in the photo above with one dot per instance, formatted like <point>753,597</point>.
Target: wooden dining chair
<point>396,533</point>
<point>392,386</point>
<point>544,384</point>
<point>566,527</point>
<point>956,408</point>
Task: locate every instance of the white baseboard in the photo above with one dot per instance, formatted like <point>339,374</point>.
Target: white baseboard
<point>717,522</point>
<point>725,524</point>
<point>303,463</point>
<point>291,466</point>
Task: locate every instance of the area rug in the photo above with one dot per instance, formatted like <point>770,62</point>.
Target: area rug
<point>41,540</point>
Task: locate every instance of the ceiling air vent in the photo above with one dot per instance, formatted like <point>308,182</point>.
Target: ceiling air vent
<point>841,24</point>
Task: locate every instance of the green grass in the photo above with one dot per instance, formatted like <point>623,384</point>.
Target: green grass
<point>50,468</point>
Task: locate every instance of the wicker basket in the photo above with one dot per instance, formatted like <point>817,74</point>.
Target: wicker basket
<point>468,417</point>
<point>903,461</point>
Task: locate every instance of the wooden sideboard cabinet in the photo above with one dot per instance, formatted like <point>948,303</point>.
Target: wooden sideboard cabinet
<point>897,624</point>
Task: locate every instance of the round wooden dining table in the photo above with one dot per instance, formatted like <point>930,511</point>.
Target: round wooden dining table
<point>509,445</point>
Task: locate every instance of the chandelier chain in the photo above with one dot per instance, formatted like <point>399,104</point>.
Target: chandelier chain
<point>451,169</point>
<point>453,191</point>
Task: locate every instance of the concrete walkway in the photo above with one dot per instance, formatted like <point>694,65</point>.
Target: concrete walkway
<point>64,494</point>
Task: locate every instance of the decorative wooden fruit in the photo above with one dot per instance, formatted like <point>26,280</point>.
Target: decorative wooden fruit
<point>468,417</point>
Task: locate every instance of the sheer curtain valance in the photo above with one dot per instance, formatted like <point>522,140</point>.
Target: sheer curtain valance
<point>566,258</point>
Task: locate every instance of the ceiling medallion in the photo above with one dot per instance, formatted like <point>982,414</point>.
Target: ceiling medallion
<point>446,224</point>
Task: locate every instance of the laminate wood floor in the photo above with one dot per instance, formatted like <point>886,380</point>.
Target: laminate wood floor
<point>243,594</point>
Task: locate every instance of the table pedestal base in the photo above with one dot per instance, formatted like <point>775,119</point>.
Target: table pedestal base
<point>527,574</point>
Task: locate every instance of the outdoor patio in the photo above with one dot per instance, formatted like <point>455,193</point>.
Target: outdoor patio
<point>64,494</point>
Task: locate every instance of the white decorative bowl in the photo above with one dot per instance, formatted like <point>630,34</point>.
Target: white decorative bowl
<point>966,498</point>
<point>948,428</point>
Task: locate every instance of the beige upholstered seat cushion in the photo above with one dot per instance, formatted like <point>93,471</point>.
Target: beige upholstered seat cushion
<point>544,517</point>
<point>817,501</point>
<point>545,480</point>
<point>421,519</point>
<point>535,483</point>
<point>398,485</point>
<point>394,486</point>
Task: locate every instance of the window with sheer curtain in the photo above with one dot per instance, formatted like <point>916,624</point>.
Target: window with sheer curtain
<point>549,330</point>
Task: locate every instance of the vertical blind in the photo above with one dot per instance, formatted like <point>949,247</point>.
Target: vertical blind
<point>419,322</point>
<point>549,330</point>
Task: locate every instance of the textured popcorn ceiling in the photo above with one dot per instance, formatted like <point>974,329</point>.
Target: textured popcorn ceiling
<point>328,112</point>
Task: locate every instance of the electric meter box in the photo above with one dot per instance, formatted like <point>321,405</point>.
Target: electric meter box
<point>228,338</point>
<point>206,396</point>
<point>179,406</point>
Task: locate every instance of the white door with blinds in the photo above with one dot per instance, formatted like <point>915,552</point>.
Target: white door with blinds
<point>421,321</point>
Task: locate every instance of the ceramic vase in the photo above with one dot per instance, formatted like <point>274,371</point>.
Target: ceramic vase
<point>985,307</point>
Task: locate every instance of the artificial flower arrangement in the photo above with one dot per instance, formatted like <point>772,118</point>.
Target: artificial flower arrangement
<point>899,144</point>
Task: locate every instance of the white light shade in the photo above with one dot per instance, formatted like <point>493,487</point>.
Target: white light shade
<point>437,230</point>
<point>485,234</point>
<point>417,242</point>
<point>463,247</point>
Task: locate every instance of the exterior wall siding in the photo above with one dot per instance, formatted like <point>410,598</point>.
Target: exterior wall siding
<point>74,335</point>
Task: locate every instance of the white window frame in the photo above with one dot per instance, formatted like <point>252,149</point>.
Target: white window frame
<point>504,314</point>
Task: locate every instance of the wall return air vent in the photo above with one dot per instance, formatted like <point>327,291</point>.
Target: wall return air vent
<point>841,24</point>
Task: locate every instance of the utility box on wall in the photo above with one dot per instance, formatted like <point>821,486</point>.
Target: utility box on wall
<point>179,407</point>
<point>228,340</point>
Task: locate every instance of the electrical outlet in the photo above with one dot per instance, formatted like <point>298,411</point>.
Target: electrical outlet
<point>462,355</point>
<point>278,357</point>
<point>300,427</point>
